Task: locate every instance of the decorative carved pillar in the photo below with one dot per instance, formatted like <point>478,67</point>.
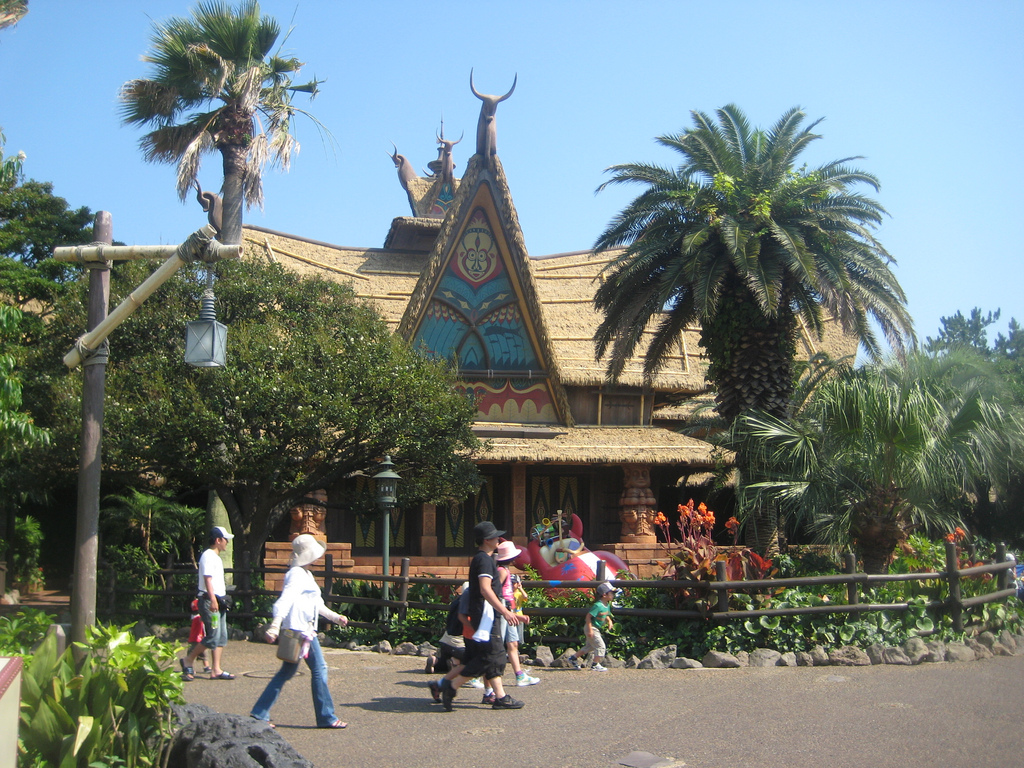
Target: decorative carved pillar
<point>309,516</point>
<point>519,502</point>
<point>428,524</point>
<point>637,505</point>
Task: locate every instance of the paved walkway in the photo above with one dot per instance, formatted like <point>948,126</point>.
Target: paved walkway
<point>929,716</point>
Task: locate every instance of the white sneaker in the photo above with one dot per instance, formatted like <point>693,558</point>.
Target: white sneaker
<point>476,682</point>
<point>526,679</point>
<point>599,668</point>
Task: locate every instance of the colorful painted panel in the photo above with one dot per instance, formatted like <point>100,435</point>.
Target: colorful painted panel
<point>443,202</point>
<point>458,519</point>
<point>515,401</point>
<point>474,315</point>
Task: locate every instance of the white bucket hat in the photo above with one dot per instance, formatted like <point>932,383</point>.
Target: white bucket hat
<point>305,549</point>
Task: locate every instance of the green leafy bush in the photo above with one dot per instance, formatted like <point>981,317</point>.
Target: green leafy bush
<point>23,555</point>
<point>20,632</point>
<point>111,708</point>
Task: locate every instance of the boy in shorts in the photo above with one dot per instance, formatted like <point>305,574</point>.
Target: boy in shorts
<point>600,614</point>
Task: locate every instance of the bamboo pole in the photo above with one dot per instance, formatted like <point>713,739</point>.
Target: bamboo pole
<point>212,251</point>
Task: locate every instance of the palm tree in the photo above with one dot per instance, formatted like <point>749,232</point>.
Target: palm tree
<point>217,86</point>
<point>879,451</point>
<point>742,241</point>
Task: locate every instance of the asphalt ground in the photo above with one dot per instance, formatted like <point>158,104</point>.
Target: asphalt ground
<point>962,715</point>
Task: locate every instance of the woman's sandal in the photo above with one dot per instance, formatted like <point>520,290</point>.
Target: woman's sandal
<point>336,724</point>
<point>223,676</point>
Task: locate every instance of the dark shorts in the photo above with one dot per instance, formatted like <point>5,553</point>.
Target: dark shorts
<point>445,654</point>
<point>486,659</point>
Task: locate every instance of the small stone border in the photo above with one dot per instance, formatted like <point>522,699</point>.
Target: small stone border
<point>912,651</point>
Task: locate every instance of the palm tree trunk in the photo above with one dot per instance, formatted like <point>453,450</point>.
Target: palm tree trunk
<point>232,193</point>
<point>761,532</point>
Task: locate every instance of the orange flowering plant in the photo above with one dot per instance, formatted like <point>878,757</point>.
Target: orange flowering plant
<point>694,552</point>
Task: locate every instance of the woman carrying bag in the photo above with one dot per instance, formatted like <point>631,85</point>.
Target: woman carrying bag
<point>296,610</point>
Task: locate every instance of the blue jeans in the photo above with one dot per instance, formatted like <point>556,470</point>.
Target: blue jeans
<point>322,701</point>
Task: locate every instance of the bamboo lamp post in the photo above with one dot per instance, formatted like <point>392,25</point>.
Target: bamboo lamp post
<point>90,352</point>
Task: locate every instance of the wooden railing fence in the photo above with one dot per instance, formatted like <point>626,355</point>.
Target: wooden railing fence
<point>175,601</point>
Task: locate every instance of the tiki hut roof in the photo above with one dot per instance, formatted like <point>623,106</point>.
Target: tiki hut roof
<point>600,445</point>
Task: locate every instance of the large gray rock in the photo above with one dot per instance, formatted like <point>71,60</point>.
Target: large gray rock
<point>612,663</point>
<point>959,652</point>
<point>764,657</point>
<point>681,662</point>
<point>542,656</point>
<point>895,655</point>
<point>819,656</point>
<point>916,649</point>
<point>1009,642</point>
<point>936,651</point>
<point>406,649</point>
<point>743,658</point>
<point>804,659</point>
<point>876,652</point>
<point>659,658</point>
<point>990,641</point>
<point>788,659</point>
<point>720,660</point>
<point>849,656</point>
<point>562,662</point>
<point>980,651</point>
<point>383,647</point>
<point>232,741</point>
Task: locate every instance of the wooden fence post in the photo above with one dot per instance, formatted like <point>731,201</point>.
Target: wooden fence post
<point>722,604</point>
<point>168,565</point>
<point>852,593</point>
<point>1003,579</point>
<point>403,593</point>
<point>246,583</point>
<point>328,575</point>
<point>956,609</point>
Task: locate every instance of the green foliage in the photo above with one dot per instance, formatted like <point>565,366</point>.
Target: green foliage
<point>112,708</point>
<point>218,85</point>
<point>21,631</point>
<point>743,241</point>
<point>23,555</point>
<point>316,388</point>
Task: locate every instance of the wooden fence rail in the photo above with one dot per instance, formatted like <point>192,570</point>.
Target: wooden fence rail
<point>175,601</point>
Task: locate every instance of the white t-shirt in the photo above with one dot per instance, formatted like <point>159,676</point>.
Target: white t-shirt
<point>211,565</point>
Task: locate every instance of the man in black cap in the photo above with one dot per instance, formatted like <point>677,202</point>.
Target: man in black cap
<point>485,649</point>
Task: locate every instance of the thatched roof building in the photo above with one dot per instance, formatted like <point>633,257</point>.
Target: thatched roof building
<point>455,280</point>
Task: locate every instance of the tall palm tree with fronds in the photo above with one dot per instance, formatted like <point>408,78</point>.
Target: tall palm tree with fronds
<point>744,242</point>
<point>877,452</point>
<point>218,86</point>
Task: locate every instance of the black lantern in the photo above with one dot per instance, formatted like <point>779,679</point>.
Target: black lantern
<point>205,339</point>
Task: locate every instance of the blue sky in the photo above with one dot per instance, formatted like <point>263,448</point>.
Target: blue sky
<point>929,93</point>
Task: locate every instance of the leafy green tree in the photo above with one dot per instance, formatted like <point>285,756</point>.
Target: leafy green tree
<point>18,430</point>
<point>156,525</point>
<point>879,451</point>
<point>742,241</point>
<point>218,86</point>
<point>316,388</point>
<point>745,243</point>
<point>996,509</point>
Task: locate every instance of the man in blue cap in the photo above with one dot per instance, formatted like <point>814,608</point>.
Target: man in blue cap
<point>485,647</point>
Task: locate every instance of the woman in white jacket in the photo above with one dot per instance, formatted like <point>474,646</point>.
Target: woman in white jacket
<point>297,609</point>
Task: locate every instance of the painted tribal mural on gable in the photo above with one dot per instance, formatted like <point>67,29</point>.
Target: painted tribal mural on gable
<point>476,317</point>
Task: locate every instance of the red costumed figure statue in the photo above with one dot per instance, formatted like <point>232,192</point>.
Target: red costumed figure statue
<point>557,552</point>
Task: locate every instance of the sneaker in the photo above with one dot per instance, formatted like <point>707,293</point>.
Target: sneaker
<point>476,682</point>
<point>447,694</point>
<point>507,702</point>
<point>598,668</point>
<point>435,689</point>
<point>489,698</point>
<point>526,679</point>
<point>575,662</point>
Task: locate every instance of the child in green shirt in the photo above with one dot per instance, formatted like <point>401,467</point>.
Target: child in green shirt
<point>600,614</point>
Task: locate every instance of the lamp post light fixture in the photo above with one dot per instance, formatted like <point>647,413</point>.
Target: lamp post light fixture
<point>206,339</point>
<point>386,486</point>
